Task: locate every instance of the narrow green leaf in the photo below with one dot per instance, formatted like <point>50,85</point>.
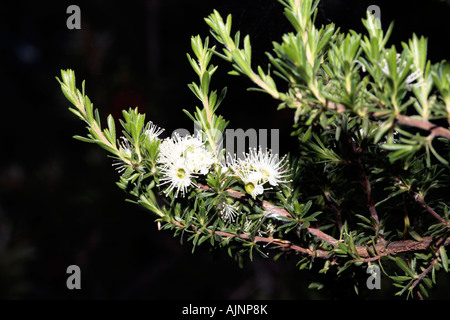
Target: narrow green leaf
<point>112,130</point>
<point>402,264</point>
<point>400,278</point>
<point>405,288</point>
<point>84,139</point>
<point>343,247</point>
<point>423,290</point>
<point>205,83</point>
<point>414,234</point>
<point>444,258</point>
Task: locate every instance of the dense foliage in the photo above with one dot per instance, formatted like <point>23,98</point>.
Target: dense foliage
<point>369,185</point>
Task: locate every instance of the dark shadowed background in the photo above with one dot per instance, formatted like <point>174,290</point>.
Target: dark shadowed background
<point>58,201</point>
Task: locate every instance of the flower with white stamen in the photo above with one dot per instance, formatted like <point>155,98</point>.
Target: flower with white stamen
<point>183,158</point>
<point>252,182</point>
<point>125,146</point>
<point>153,131</point>
<point>178,176</point>
<point>258,168</point>
<point>415,75</point>
<point>271,168</point>
<point>227,211</point>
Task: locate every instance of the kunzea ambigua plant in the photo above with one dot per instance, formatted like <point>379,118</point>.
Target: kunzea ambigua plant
<point>369,185</point>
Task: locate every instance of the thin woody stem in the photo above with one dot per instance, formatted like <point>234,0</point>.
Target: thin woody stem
<point>423,124</point>
<point>287,245</point>
<point>382,249</point>
<point>421,200</point>
<point>95,126</point>
<point>430,267</point>
<point>366,184</point>
<point>277,211</point>
<point>423,203</point>
<point>409,121</point>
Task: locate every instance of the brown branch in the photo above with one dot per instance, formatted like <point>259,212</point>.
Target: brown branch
<point>430,267</point>
<point>423,124</point>
<point>383,249</point>
<point>421,200</point>
<point>423,274</point>
<point>323,236</point>
<point>396,247</point>
<point>366,184</point>
<point>277,211</point>
<point>285,244</point>
<point>409,121</point>
<point>392,248</point>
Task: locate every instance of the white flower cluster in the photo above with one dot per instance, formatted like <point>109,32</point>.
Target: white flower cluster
<point>258,169</point>
<point>181,160</point>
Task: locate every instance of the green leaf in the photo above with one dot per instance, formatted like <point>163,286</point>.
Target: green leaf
<point>342,247</point>
<point>391,195</point>
<point>402,264</point>
<point>84,139</point>
<point>423,290</point>
<point>414,234</point>
<point>316,285</point>
<point>385,127</point>
<point>400,278</point>
<point>405,288</point>
<point>112,130</point>
<point>345,267</point>
<point>205,83</point>
<point>444,258</point>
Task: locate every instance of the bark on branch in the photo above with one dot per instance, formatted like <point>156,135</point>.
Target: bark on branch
<point>381,249</point>
<point>409,121</point>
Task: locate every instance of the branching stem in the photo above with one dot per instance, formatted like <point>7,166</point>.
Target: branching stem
<point>383,249</point>
<point>421,200</point>
<point>366,184</point>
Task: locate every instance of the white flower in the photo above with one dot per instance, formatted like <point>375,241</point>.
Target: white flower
<point>247,225</point>
<point>126,146</point>
<point>227,211</point>
<point>191,149</point>
<point>258,168</point>
<point>199,159</point>
<point>270,229</point>
<point>188,154</point>
<point>125,150</point>
<point>416,75</point>
<point>252,182</point>
<point>153,131</point>
<point>268,166</point>
<point>232,165</point>
<point>178,176</point>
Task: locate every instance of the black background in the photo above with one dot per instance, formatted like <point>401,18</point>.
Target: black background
<point>58,201</point>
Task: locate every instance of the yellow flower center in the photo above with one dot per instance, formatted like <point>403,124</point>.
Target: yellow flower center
<point>265,173</point>
<point>249,187</point>
<point>181,173</point>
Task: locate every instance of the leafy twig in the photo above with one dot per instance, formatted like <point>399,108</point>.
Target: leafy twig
<point>366,184</point>
<point>391,248</point>
<point>421,200</point>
